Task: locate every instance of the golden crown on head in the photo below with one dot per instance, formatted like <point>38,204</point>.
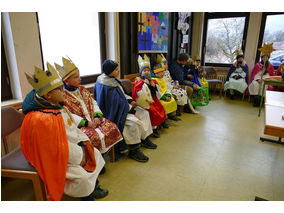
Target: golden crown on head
<point>143,63</point>
<point>45,81</point>
<point>196,58</point>
<point>266,49</point>
<point>238,52</point>
<point>161,59</point>
<point>68,69</point>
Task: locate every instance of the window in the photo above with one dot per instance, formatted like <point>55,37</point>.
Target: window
<point>272,31</point>
<point>223,34</point>
<point>75,35</point>
<point>6,92</point>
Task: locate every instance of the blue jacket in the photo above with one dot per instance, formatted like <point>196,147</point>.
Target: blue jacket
<point>177,73</point>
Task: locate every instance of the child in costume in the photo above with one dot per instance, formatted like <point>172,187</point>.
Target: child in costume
<point>167,99</point>
<point>172,86</point>
<point>200,96</point>
<point>237,78</point>
<point>133,121</point>
<point>145,84</point>
<point>102,133</point>
<point>278,72</point>
<point>261,70</point>
<point>61,153</point>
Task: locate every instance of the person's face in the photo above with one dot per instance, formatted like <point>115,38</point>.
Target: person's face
<point>240,59</point>
<point>146,72</point>
<point>55,96</point>
<point>197,63</point>
<point>115,73</point>
<point>265,58</point>
<point>74,80</point>
<point>166,66</point>
<point>160,74</point>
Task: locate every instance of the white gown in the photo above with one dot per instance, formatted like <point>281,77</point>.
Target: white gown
<point>240,84</point>
<point>255,88</point>
<point>135,129</point>
<point>179,94</point>
<point>79,182</point>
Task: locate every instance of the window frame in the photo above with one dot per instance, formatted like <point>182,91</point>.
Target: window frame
<point>87,79</point>
<point>219,15</point>
<point>261,34</point>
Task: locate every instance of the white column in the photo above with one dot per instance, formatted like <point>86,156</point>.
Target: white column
<point>11,56</point>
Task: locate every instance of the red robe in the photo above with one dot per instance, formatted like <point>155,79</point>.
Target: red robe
<point>44,144</point>
<point>156,111</point>
<point>108,128</point>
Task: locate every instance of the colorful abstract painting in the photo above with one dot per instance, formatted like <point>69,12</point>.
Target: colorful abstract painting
<point>153,32</point>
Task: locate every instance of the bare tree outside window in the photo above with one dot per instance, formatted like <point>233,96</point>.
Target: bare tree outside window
<point>224,36</point>
<point>274,32</point>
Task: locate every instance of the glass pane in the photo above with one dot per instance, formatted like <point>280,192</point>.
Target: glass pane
<point>224,36</point>
<point>274,32</point>
<point>72,35</point>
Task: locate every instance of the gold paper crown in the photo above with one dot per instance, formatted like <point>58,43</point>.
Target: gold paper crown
<point>143,63</point>
<point>239,52</point>
<point>196,58</point>
<point>68,69</point>
<point>161,59</point>
<point>45,81</point>
<point>266,49</point>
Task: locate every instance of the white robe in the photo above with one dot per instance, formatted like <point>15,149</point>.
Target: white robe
<point>240,84</point>
<point>179,94</point>
<point>255,88</point>
<point>79,182</point>
<point>135,129</point>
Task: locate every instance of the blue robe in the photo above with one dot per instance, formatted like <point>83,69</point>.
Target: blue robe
<point>113,104</point>
<point>233,68</point>
<point>192,70</point>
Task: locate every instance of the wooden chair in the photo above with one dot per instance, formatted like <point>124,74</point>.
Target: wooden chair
<point>243,97</point>
<point>131,77</point>
<point>14,164</point>
<point>212,78</point>
<point>127,85</point>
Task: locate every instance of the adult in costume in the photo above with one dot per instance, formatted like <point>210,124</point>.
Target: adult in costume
<point>61,153</point>
<point>173,87</point>
<point>261,70</point>
<point>237,78</point>
<point>144,84</point>
<point>176,68</point>
<point>102,133</point>
<point>117,106</point>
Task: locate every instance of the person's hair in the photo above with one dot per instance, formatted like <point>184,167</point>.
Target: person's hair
<point>157,66</point>
<point>182,57</point>
<point>267,64</point>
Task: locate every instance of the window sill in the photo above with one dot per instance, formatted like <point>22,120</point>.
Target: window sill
<point>16,103</point>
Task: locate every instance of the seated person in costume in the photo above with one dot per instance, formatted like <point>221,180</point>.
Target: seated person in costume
<point>261,70</point>
<point>167,99</point>
<point>60,152</point>
<point>237,78</point>
<point>176,68</point>
<point>145,84</point>
<point>191,75</point>
<point>102,133</point>
<point>278,72</point>
<point>173,87</point>
<point>132,120</point>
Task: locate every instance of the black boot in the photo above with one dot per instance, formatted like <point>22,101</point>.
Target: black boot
<point>155,133</point>
<point>165,124</point>
<point>147,143</point>
<point>137,155</point>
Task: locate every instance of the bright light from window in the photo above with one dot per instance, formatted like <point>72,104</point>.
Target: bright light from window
<point>75,35</point>
<point>224,36</point>
<point>274,32</point>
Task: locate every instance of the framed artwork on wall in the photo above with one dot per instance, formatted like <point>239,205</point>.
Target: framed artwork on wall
<point>153,32</point>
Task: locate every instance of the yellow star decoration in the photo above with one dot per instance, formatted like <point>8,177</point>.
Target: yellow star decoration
<point>266,49</point>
